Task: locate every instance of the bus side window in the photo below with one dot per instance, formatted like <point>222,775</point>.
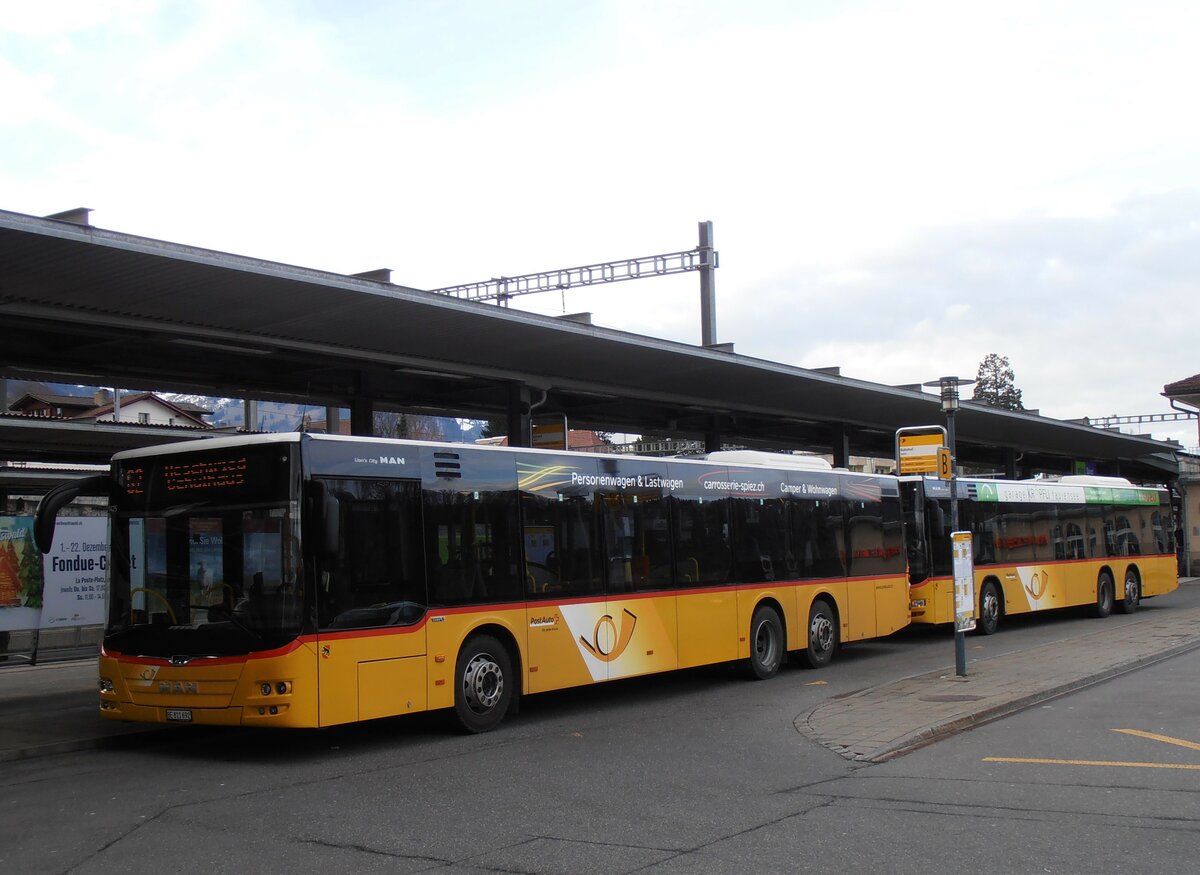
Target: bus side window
<point>818,536</point>
<point>562,554</point>
<point>702,550</point>
<point>873,538</point>
<point>761,550</point>
<point>363,584</point>
<point>471,546</point>
<point>636,541</point>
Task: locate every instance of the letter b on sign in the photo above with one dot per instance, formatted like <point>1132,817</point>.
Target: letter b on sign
<point>945,464</point>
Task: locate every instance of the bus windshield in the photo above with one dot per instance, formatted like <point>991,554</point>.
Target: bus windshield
<point>216,582</point>
<point>199,571</point>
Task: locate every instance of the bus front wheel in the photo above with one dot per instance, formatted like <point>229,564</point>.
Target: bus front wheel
<point>484,684</point>
<point>822,635</point>
<point>766,643</point>
<point>1104,595</point>
<point>989,610</point>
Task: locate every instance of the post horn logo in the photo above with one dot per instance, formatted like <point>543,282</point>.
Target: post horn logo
<point>1039,582</point>
<point>596,647</point>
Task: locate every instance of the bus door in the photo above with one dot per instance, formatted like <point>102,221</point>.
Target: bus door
<point>916,541</point>
<point>876,585</point>
<point>371,599</point>
<point>637,633</point>
<point>706,601</point>
<point>817,521</point>
<point>564,580</point>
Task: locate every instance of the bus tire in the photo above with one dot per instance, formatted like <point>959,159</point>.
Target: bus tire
<point>767,644</point>
<point>822,634</point>
<point>1133,593</point>
<point>1104,594</point>
<point>484,680</point>
<point>989,610</point>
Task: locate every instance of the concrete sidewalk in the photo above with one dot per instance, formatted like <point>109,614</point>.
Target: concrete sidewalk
<point>882,722</point>
<point>53,708</point>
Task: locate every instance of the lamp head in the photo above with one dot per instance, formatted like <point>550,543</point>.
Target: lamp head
<point>948,386</point>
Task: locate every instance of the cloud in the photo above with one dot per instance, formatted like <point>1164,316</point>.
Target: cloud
<point>1093,313</point>
<point>897,188</point>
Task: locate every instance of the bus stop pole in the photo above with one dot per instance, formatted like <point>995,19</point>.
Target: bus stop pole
<point>949,387</point>
<point>960,637</point>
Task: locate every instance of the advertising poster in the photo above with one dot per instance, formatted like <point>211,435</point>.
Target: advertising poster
<point>964,582</point>
<point>206,559</point>
<point>75,573</point>
<point>65,588</point>
<point>20,574</point>
<point>263,551</point>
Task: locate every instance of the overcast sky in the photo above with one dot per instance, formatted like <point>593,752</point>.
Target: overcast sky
<point>897,188</point>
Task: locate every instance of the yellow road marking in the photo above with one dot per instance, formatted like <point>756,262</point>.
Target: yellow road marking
<point>1046,762</point>
<point>1191,745</point>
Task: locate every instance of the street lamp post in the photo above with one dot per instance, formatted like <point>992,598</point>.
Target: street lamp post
<point>949,388</point>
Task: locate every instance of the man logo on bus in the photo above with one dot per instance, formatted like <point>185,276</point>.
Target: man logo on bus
<point>606,632</point>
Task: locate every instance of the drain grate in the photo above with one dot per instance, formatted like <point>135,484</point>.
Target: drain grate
<point>951,698</point>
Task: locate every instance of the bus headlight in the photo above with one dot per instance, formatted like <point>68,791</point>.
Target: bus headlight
<point>106,685</point>
<point>266,688</point>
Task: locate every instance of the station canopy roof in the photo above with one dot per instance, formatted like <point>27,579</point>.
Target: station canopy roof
<point>96,307</point>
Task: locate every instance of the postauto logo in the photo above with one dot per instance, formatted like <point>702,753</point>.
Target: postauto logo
<point>601,640</point>
<point>601,646</point>
<point>1036,582</point>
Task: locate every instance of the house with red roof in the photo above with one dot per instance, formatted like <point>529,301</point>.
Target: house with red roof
<point>146,408</point>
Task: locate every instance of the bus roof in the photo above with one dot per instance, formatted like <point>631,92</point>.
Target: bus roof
<point>746,458</point>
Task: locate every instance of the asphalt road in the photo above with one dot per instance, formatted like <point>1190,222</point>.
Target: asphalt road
<point>700,771</point>
<point>1102,780</point>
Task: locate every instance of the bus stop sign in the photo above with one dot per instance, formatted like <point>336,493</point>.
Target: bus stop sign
<point>918,453</point>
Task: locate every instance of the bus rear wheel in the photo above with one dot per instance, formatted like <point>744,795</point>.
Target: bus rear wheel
<point>1104,595</point>
<point>766,643</point>
<point>822,635</point>
<point>483,684</point>
<point>1133,593</point>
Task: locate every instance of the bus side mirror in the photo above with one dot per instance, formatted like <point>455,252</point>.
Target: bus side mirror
<point>58,498</point>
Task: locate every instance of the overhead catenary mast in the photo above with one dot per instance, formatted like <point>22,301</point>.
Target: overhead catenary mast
<point>704,258</point>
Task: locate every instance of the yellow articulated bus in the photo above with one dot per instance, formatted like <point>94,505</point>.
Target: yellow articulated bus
<point>1040,545</point>
<point>310,580</point>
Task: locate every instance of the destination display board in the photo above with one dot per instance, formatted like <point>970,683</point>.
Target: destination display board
<point>918,454</point>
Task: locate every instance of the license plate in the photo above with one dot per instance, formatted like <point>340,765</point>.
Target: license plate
<point>180,715</point>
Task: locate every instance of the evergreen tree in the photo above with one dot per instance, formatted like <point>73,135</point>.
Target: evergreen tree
<point>407,425</point>
<point>994,383</point>
<point>497,427</point>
